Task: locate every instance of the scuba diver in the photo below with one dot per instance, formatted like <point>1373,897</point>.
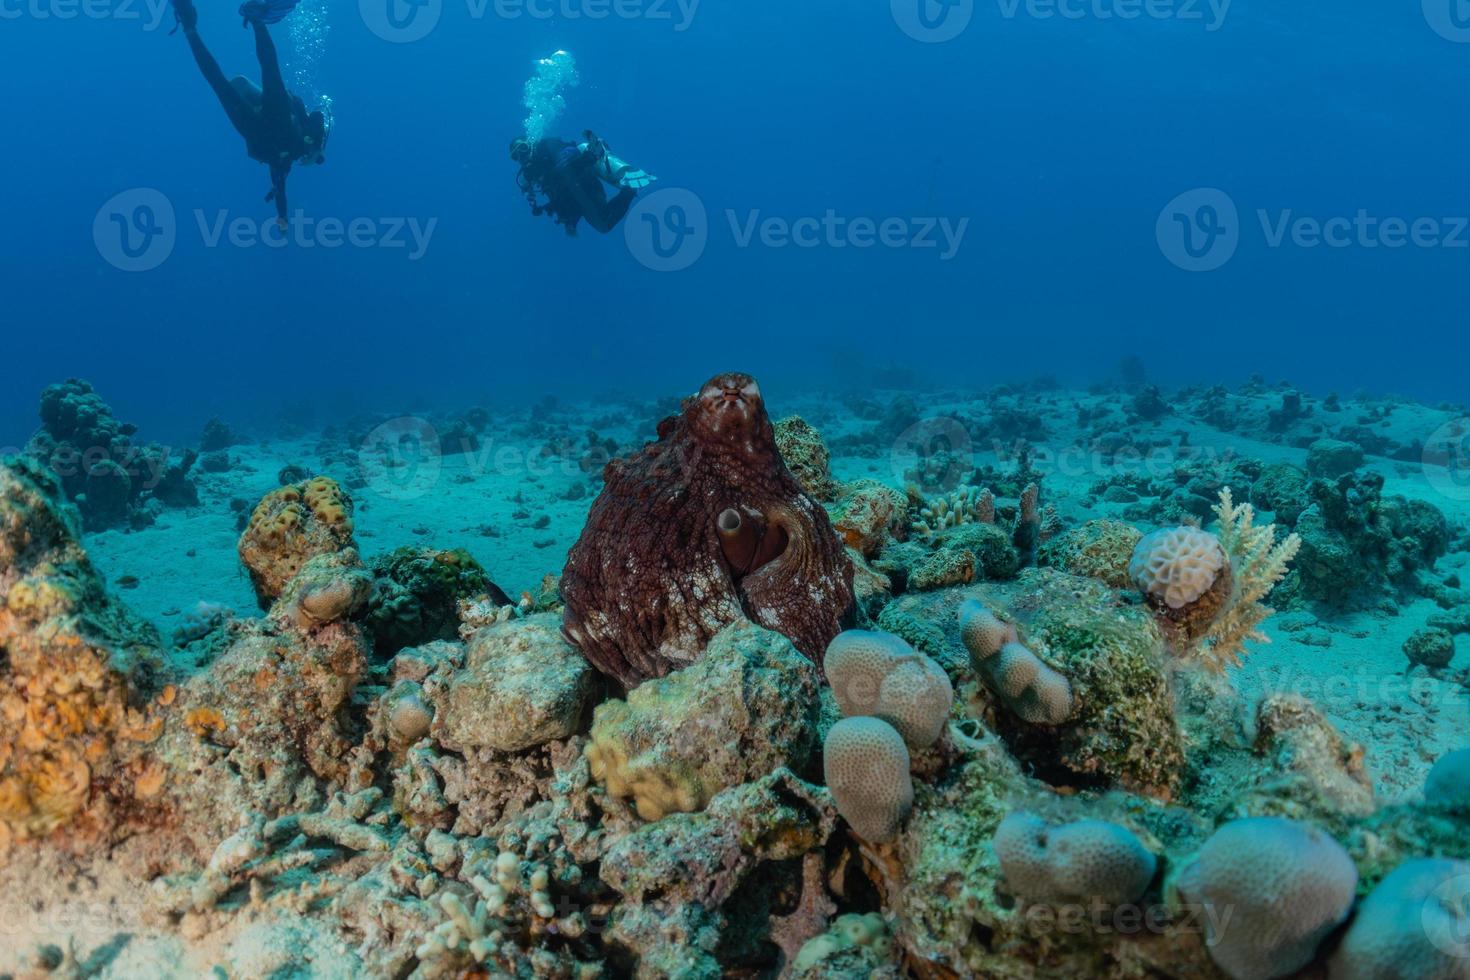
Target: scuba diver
<point>278,130</point>
<point>571,175</point>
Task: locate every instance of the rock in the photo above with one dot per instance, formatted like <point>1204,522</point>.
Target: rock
<point>522,685</point>
<point>749,707</point>
<point>1329,459</point>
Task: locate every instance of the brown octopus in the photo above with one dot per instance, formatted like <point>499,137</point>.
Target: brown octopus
<point>698,530</point>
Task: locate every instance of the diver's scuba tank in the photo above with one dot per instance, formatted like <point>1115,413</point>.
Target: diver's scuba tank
<point>616,172</point>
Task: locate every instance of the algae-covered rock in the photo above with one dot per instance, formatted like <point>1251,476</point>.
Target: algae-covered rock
<point>1098,549</point>
<point>522,685</point>
<point>700,884</point>
<point>807,457</point>
<point>855,946</point>
<point>749,707</point>
<point>1122,729</point>
<point>869,515</point>
<point>416,596</point>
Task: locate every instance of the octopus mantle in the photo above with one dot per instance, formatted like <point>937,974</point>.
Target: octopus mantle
<point>698,530</point>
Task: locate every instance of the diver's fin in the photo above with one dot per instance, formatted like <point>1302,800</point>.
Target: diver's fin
<point>636,179</point>
<point>266,11</point>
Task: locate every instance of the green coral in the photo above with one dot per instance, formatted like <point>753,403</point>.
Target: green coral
<point>1123,731</point>
<point>416,596</point>
<point>1098,549</point>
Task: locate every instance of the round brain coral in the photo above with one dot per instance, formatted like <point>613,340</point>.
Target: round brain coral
<point>1271,889</point>
<point>1414,926</point>
<point>867,769</point>
<point>1185,575</point>
<point>1090,860</point>
<point>1448,785</point>
<point>879,674</point>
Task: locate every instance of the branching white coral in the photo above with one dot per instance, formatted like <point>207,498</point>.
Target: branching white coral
<point>1259,563</point>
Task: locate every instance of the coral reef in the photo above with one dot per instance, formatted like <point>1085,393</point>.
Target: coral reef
<point>521,686</point>
<point>702,529</point>
<point>77,672</point>
<point>393,769</point>
<point>1030,688</point>
<point>291,525</point>
<point>1100,549</point>
<point>113,480</point>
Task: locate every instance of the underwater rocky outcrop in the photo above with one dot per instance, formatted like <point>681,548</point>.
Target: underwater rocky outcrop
<point>392,769</point>
<point>703,528</point>
<point>78,677</point>
<point>113,480</point>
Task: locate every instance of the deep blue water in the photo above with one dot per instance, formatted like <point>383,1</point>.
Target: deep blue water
<point>1059,140</point>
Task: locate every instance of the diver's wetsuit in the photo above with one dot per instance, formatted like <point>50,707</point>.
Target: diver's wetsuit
<point>271,119</point>
<point>574,192</point>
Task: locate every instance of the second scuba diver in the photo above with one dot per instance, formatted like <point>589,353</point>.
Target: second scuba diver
<point>571,176</point>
